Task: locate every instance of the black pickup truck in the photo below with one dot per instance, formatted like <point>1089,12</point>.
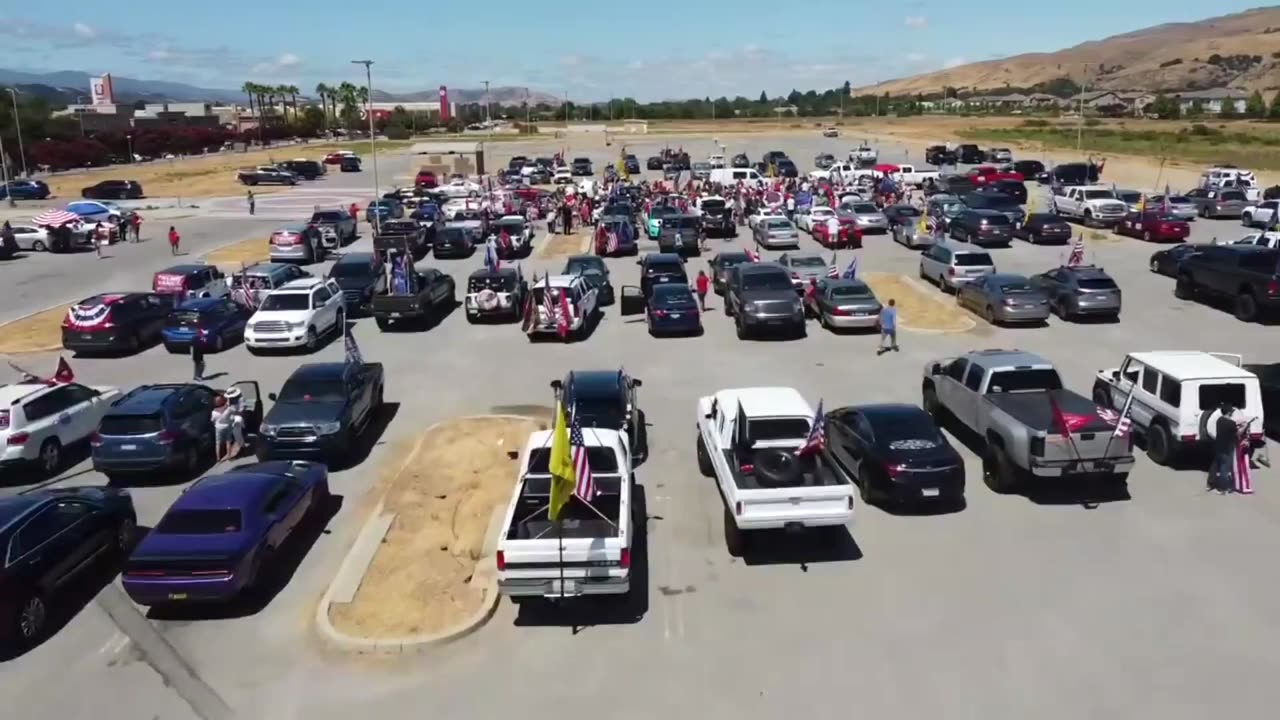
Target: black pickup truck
<point>321,412</point>
<point>361,276</point>
<point>1247,275</point>
<point>425,292</point>
<point>401,236</point>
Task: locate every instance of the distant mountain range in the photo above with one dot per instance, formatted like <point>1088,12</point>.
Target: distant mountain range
<point>71,86</point>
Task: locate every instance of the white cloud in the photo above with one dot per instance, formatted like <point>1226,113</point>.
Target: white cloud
<point>160,55</point>
<point>287,61</point>
<point>955,62</point>
<point>916,57</point>
<point>84,31</point>
<point>916,21</point>
<point>570,61</point>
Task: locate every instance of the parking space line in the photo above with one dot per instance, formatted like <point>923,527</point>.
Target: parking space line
<point>114,644</point>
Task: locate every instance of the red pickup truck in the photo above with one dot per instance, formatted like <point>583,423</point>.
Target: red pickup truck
<point>989,173</point>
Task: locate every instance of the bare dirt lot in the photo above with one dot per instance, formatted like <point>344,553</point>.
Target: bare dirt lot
<point>40,332</point>
<point>443,489</point>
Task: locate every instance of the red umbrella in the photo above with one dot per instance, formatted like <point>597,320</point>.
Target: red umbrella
<point>55,218</point>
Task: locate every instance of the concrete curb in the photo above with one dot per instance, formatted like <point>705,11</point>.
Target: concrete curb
<point>347,580</point>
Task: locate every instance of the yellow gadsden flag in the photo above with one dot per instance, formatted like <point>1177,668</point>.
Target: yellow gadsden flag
<point>1031,207</point>
<point>560,466</point>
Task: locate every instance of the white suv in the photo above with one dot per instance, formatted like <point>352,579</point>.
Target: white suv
<point>296,315</point>
<point>1175,396</point>
<point>37,421</point>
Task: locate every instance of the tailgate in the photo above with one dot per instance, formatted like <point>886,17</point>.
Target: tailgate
<point>392,304</point>
<point>1088,445</point>
<point>799,506</point>
<point>582,560</point>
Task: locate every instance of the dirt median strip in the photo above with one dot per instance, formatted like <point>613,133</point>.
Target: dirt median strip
<point>558,246</point>
<point>918,309</point>
<point>38,332</point>
<point>248,251</point>
<point>442,488</point>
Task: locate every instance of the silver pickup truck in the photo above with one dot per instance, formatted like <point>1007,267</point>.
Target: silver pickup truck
<point>1029,426</point>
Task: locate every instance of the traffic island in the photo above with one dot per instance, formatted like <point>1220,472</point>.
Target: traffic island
<point>920,308</point>
<point>562,246</point>
<point>244,252</point>
<point>422,573</point>
<point>38,332</point>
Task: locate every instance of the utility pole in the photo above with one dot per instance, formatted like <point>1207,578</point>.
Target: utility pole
<point>18,123</point>
<point>80,113</point>
<point>565,106</point>
<point>488,119</point>
<point>4,172</point>
<point>1084,84</point>
<point>526,109</point>
<point>373,145</point>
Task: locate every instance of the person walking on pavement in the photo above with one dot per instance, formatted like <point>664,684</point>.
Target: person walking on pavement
<point>174,240</point>
<point>8,239</point>
<point>253,202</point>
<point>888,327</point>
<point>702,284</point>
<point>197,362</point>
<point>1226,438</point>
<point>566,216</point>
<point>99,235</point>
<point>135,223</point>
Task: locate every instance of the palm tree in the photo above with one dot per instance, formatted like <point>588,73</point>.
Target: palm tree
<point>323,92</point>
<point>293,91</point>
<point>348,97</point>
<point>248,88</point>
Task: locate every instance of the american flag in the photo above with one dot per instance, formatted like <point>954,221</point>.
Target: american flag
<point>1244,480</point>
<point>1077,252</point>
<point>752,255</point>
<point>491,261</point>
<point>851,270</point>
<point>833,270</point>
<point>548,304</point>
<point>612,246</point>
<point>586,484</point>
<point>817,435</point>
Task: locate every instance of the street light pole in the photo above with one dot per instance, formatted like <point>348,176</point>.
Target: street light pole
<point>373,145</point>
<point>4,173</point>
<point>18,123</point>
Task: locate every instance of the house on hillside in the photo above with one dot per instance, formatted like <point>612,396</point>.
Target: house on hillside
<point>1212,101</point>
<point>1137,101</point>
<point>1099,102</point>
<point>1041,100</point>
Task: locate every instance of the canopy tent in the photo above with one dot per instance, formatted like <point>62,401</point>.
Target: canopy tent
<point>56,218</point>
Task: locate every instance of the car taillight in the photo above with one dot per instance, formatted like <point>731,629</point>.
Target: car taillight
<point>1188,438</point>
<point>951,271</point>
<point>95,440</point>
<point>210,573</point>
<point>4,419</point>
<point>165,437</point>
<point>202,331</point>
<point>850,499</point>
<point>659,313</point>
<point>501,560</point>
<point>795,276</point>
<point>19,438</point>
<point>839,311</point>
<point>624,560</point>
<point>746,468</point>
<point>737,508</point>
<point>894,470</point>
<point>144,573</point>
<point>1273,287</point>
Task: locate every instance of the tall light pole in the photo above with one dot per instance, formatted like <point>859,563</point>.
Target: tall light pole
<point>18,122</point>
<point>373,145</point>
<point>4,173</point>
<point>488,119</point>
<point>1084,84</point>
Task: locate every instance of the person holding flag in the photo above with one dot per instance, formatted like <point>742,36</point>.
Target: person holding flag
<point>491,261</point>
<point>1076,258</point>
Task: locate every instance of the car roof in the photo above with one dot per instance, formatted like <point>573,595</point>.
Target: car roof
<point>769,401</point>
<point>662,258</point>
<point>961,247</point>
<point>986,212</point>
<point>198,304</point>
<point>886,411</point>
<point>306,283</point>
<point>145,399</point>
<point>995,357</point>
<point>362,258</point>
<point>802,254</point>
<point>846,282</point>
<point>1085,271</point>
<point>319,370</point>
<point>1007,277</point>
<point>596,383</point>
<point>1184,364</point>
<point>266,268</point>
<point>189,269</point>
<point>500,272</point>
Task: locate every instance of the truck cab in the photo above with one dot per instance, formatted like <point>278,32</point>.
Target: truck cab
<point>748,440</point>
<point>589,551</point>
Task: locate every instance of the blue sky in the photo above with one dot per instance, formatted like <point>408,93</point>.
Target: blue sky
<point>656,49</point>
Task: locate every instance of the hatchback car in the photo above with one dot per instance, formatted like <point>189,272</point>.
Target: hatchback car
<point>213,324</point>
<point>1083,290</point>
<point>1219,203</point>
<point>113,190</point>
<point>1004,298</point>
<point>155,428</point>
<point>953,264</point>
<point>987,228</point>
<point>1043,229</point>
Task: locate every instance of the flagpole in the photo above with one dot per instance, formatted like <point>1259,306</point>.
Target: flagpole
<point>1124,410</point>
<point>560,543</point>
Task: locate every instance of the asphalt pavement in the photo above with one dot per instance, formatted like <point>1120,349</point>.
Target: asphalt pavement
<point>1052,606</point>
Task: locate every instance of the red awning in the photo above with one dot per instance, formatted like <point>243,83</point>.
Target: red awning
<point>56,218</point>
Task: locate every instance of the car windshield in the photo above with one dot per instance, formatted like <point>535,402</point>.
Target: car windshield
<point>453,234</point>
<point>766,429</point>
<point>972,259</point>
<point>952,209</point>
<point>851,292</point>
<point>1099,195</point>
<point>1179,200</point>
<point>1129,196</point>
<point>906,211</point>
<point>865,208</point>
<point>731,260</point>
<point>328,217</point>
<point>600,412</point>
<point>778,225</point>
<point>662,210</point>
<point>312,390</point>
<point>286,301</point>
<point>116,425</point>
<point>584,264</point>
<point>807,262</point>
<point>199,522</point>
<point>1096,283</point>
<point>995,220</point>
<point>1015,287</point>
<point>998,201</point>
<point>766,281</point>
<point>1008,381</point>
<point>351,269</point>
<point>681,222</point>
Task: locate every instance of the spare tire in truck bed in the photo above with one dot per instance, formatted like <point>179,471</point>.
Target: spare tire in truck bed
<point>775,467</point>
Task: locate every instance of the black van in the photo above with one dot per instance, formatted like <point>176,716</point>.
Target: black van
<point>1074,174</point>
<point>305,169</point>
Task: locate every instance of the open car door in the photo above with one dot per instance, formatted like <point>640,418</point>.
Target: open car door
<point>251,404</point>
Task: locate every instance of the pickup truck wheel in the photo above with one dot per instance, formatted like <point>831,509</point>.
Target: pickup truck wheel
<point>1101,397</point>
<point>704,460</point>
<point>1088,218</point>
<point>1246,307</point>
<point>384,324</point>
<point>1184,288</point>
<point>1159,444</point>
<point>740,329</point>
<point>999,471</point>
<point>734,541</point>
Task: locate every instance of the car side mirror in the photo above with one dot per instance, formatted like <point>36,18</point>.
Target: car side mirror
<point>271,397</point>
<point>1115,374</point>
<point>557,385</point>
<point>935,369</point>
<point>709,415</point>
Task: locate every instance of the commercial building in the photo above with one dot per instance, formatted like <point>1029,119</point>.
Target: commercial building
<point>447,158</point>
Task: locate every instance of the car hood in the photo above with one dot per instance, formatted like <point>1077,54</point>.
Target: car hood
<point>303,413</point>
<point>156,545</point>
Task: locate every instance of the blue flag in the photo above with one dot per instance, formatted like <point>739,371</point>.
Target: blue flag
<point>850,271</point>
<point>399,275</point>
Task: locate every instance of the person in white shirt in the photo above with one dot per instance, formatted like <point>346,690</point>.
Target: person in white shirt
<point>228,425</point>
<point>833,230</point>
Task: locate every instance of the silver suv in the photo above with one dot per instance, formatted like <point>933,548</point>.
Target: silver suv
<point>951,264</point>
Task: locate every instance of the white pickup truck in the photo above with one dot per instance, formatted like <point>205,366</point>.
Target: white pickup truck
<point>590,554</point>
<point>864,155</point>
<point>1090,204</point>
<point>909,175</point>
<point>747,439</point>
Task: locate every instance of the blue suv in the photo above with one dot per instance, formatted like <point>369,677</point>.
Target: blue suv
<point>154,428</point>
<point>213,323</point>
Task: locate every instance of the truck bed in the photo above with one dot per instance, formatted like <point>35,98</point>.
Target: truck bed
<point>385,304</point>
<point>530,520</point>
<point>1033,410</point>
<point>816,475</point>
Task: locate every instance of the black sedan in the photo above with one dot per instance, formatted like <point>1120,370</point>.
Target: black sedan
<point>1166,262</point>
<point>113,190</point>
<point>720,266</point>
<point>51,536</point>
<point>902,214</point>
<point>895,454</point>
<point>1043,229</point>
<point>668,310</point>
<point>1029,169</point>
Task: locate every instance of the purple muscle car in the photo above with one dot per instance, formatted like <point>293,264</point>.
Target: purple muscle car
<point>216,539</point>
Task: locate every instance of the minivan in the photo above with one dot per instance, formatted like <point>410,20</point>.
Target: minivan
<point>951,264</point>
<point>154,428</point>
<point>730,177</point>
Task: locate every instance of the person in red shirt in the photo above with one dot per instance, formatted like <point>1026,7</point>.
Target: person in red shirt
<point>702,284</point>
<point>355,212</point>
<point>174,239</point>
<point>136,220</point>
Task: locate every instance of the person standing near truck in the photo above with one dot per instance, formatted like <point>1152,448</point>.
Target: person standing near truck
<point>174,239</point>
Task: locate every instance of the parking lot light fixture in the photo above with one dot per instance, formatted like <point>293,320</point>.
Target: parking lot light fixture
<point>373,147</point>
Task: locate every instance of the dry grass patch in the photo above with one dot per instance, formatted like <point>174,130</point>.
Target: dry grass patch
<point>556,246</point>
<point>443,490</point>
<point>40,332</point>
<point>248,251</point>
<point>918,309</point>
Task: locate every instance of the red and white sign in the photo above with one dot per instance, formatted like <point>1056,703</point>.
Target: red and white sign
<point>444,104</point>
<point>169,283</point>
<point>100,90</point>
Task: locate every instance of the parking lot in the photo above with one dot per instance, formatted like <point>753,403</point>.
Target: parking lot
<point>1062,604</point>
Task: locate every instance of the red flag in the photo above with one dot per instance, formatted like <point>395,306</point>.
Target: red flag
<point>562,317</point>
<point>1066,422</point>
<point>64,373</point>
<point>530,313</point>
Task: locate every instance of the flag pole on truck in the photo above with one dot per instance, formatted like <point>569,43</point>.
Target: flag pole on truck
<point>560,465</point>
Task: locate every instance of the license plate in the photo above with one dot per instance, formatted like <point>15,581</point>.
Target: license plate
<point>86,336</point>
<point>395,314</point>
<point>930,492</point>
<point>675,316</point>
<point>177,596</point>
<point>129,447</point>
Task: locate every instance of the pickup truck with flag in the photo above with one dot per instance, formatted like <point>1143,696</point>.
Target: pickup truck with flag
<point>765,448</point>
<point>1013,404</point>
<point>585,547</point>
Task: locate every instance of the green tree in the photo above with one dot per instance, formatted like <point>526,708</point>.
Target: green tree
<point>1255,106</point>
<point>764,99</point>
<point>1274,111</point>
<point>1228,111</point>
<point>1165,108</point>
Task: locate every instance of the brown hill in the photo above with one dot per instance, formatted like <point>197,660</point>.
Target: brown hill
<point>1239,51</point>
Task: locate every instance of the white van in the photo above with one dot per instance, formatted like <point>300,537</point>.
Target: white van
<point>730,177</point>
